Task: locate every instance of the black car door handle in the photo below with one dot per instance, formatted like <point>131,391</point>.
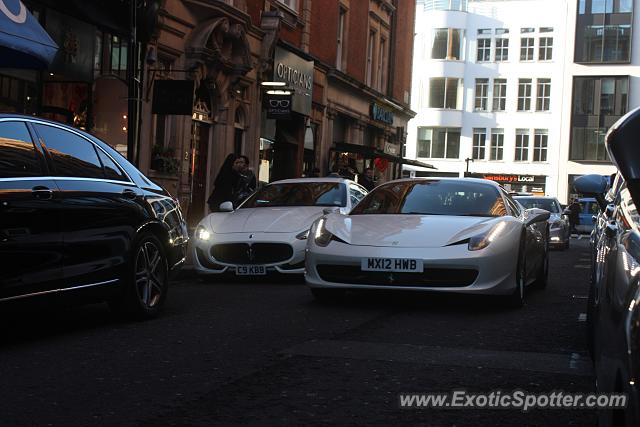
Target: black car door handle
<point>129,194</point>
<point>41,192</point>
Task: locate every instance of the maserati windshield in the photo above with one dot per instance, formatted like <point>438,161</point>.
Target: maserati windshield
<point>298,194</point>
<point>433,197</point>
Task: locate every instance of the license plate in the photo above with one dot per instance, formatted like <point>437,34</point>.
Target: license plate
<point>392,264</point>
<point>251,270</point>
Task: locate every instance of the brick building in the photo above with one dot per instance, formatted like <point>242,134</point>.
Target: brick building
<point>205,87</point>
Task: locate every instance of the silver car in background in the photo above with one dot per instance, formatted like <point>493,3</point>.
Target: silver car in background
<point>559,227</point>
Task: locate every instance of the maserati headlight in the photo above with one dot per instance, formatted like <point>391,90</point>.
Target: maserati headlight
<point>303,236</point>
<point>483,240</point>
<point>321,236</point>
<point>202,233</point>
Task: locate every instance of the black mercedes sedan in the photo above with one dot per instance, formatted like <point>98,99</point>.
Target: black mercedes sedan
<point>76,218</point>
<point>613,309</point>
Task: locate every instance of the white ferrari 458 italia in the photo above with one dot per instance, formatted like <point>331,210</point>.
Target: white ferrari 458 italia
<point>268,231</point>
<point>455,235</point>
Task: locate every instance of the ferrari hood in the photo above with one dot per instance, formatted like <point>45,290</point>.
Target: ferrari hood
<point>266,220</point>
<point>408,231</point>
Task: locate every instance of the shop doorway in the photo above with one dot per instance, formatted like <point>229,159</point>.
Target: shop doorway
<point>198,171</point>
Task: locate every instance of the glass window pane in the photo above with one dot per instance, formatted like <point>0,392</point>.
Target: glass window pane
<point>72,156</point>
<point>455,44</point>
<point>439,141</point>
<point>111,170</point>
<point>436,92</point>
<point>451,93</point>
<point>18,156</point>
<point>453,144</point>
<point>439,48</point>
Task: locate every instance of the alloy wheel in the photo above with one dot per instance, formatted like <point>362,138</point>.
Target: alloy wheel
<point>150,274</point>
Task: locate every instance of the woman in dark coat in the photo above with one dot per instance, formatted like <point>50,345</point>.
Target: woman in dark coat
<point>224,185</point>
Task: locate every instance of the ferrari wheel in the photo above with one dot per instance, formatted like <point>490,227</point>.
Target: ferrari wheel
<point>516,299</point>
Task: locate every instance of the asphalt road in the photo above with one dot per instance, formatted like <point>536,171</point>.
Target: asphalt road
<point>267,353</point>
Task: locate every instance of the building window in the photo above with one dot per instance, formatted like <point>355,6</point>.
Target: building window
<point>522,145</point>
<point>500,31</point>
<point>445,93</point>
<point>502,49</point>
<point>527,30</point>
<point>526,48</point>
<point>603,31</point>
<point>546,29</point>
<point>382,66</point>
<point>460,5</point>
<point>447,44</point>
<point>545,51</point>
<point>479,143</point>
<point>540,145</point>
<point>543,95</point>
<point>342,46</point>
<point>484,50</point>
<point>524,94</point>
<point>482,94</point>
<point>598,102</point>
<point>499,94</point>
<point>497,144</point>
<point>370,50</point>
<point>291,4</point>
<point>438,143</point>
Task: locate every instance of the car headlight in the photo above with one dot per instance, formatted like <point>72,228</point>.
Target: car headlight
<point>321,236</point>
<point>202,233</point>
<point>303,236</point>
<point>483,240</point>
<point>556,224</point>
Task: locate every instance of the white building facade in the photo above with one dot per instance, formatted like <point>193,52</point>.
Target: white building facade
<point>488,90</point>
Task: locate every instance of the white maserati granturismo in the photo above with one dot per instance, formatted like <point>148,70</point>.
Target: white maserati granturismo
<point>456,235</point>
<point>268,232</point>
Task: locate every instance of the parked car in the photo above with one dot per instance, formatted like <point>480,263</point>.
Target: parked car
<point>269,230</point>
<point>559,227</point>
<point>613,313</point>
<point>456,235</point>
<point>77,218</point>
<point>588,210</point>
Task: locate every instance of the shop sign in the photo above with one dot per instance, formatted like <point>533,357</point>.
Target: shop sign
<point>173,97</point>
<point>392,149</point>
<point>380,114</point>
<point>278,106</point>
<point>297,73</point>
<point>504,178</point>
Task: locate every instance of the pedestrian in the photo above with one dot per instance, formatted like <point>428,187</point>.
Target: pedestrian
<point>223,187</point>
<point>367,180</point>
<point>246,183</point>
<point>574,216</point>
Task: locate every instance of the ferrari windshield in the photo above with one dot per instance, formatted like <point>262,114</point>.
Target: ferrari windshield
<point>433,197</point>
<point>550,205</point>
<point>298,194</point>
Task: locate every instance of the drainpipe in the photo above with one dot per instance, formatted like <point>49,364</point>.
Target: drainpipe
<point>306,30</point>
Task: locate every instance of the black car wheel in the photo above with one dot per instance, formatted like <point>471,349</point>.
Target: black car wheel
<point>543,273</point>
<point>148,280</point>
<point>516,299</point>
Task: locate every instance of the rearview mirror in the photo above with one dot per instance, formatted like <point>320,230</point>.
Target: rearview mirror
<point>624,150</point>
<point>536,215</point>
<point>226,207</point>
<point>592,185</point>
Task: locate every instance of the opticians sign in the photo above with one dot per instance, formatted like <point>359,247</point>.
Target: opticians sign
<point>297,73</point>
<point>278,106</point>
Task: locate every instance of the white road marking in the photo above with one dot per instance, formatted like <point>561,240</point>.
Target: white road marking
<point>582,266</point>
<point>582,317</point>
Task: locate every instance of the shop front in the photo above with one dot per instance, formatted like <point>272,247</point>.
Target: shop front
<point>287,136</point>
<point>535,184</point>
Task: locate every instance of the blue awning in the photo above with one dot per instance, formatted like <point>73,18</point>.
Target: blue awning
<point>23,42</point>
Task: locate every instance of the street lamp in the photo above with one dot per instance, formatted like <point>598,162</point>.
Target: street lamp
<point>467,160</point>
